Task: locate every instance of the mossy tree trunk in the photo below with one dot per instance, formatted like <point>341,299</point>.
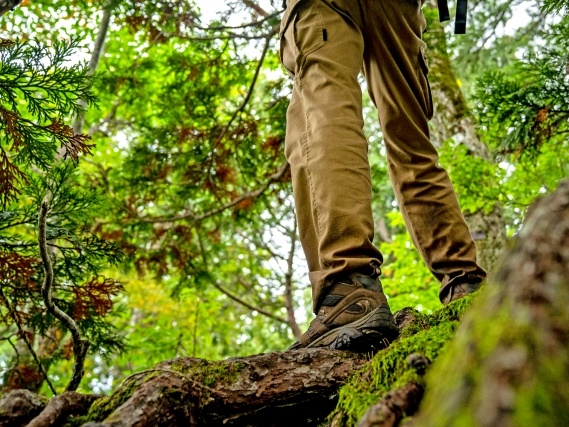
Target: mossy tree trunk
<point>509,363</point>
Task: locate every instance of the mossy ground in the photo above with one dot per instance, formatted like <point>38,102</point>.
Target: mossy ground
<point>426,335</point>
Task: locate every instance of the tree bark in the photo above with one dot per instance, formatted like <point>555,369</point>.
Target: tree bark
<point>62,406</point>
<point>18,407</point>
<point>393,407</point>
<point>276,389</point>
<point>509,363</point>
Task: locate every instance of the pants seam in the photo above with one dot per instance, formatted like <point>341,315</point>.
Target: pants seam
<point>306,156</point>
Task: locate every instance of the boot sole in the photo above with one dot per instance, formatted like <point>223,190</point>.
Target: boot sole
<point>372,332</point>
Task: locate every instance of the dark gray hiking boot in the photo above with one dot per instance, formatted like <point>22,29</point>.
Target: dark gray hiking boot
<point>354,316</point>
<point>459,291</point>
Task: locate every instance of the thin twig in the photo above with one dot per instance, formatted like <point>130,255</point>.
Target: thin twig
<point>255,7</point>
<point>248,195</point>
<point>28,344</point>
<point>257,23</point>
<point>246,304</point>
<point>80,346</point>
<point>289,301</point>
<point>229,294</point>
<point>245,100</point>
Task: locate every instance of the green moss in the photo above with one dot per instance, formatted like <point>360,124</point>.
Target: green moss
<point>388,370</point>
<point>76,421</point>
<point>498,341</point>
<point>451,312</point>
<point>208,374</point>
<point>102,408</point>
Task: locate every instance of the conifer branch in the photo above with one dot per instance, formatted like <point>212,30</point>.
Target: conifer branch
<point>25,338</point>
<point>80,346</point>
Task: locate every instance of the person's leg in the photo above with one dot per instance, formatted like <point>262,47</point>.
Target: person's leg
<point>325,144</point>
<point>396,72</point>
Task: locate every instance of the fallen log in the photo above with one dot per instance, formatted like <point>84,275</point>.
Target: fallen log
<point>276,389</point>
<point>19,407</point>
<point>62,406</point>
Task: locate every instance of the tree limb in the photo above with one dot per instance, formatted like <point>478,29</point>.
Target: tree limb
<point>28,344</point>
<point>289,302</point>
<point>246,304</point>
<point>80,346</point>
<point>8,5</point>
<point>245,100</point>
<point>255,7</point>
<point>94,63</point>
<point>248,195</point>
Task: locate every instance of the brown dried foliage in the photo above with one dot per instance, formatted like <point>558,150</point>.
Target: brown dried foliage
<point>10,119</point>
<point>10,178</point>
<point>17,279</point>
<point>4,43</point>
<point>95,297</point>
<point>273,145</point>
<point>10,175</point>
<point>18,270</point>
<point>24,376</point>
<point>72,143</point>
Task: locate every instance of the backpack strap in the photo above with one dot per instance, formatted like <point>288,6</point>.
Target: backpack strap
<point>444,14</point>
<point>461,10</point>
<point>460,21</point>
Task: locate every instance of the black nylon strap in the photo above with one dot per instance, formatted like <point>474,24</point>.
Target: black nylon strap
<point>444,14</point>
<point>460,23</point>
<point>461,9</point>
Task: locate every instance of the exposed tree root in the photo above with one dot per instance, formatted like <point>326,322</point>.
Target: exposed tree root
<point>393,407</point>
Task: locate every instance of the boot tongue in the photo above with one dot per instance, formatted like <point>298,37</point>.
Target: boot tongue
<point>370,283</point>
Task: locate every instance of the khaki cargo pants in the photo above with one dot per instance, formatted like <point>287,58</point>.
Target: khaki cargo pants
<point>324,46</point>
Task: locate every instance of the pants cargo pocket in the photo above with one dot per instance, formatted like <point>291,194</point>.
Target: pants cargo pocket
<point>301,33</point>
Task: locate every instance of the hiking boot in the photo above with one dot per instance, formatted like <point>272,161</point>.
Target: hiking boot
<point>354,316</point>
<point>459,291</point>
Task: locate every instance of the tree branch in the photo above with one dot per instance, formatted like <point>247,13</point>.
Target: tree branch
<point>8,5</point>
<point>94,63</point>
<point>248,195</point>
<point>25,338</point>
<point>246,304</point>
<point>289,302</point>
<point>80,346</point>
<point>245,100</point>
<point>255,7</point>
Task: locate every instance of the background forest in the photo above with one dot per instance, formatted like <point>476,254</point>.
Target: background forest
<point>141,153</point>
